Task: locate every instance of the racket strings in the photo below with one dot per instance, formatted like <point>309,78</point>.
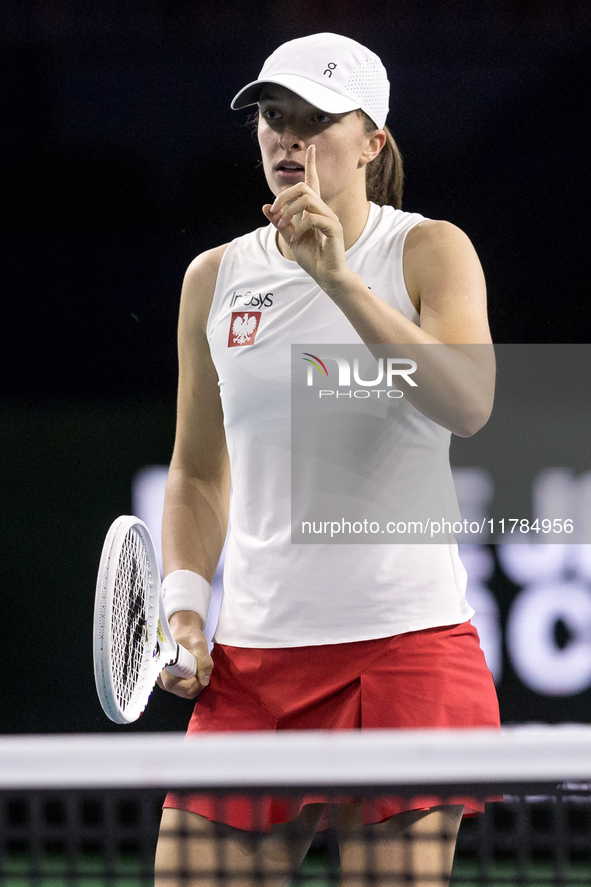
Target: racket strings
<point>130,635</point>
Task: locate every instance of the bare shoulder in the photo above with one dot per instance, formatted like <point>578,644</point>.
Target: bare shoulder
<point>199,285</point>
<point>438,254</point>
<point>433,241</point>
<point>433,231</point>
<point>206,264</point>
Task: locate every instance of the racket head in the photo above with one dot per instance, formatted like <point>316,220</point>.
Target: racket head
<point>126,620</point>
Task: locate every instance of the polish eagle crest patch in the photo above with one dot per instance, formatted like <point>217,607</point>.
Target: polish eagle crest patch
<point>243,328</point>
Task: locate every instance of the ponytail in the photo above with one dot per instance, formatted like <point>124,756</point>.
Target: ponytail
<point>384,176</point>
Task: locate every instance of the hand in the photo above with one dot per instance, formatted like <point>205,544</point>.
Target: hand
<point>310,229</point>
<point>187,629</point>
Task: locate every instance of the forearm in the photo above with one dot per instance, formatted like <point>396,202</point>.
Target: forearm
<point>454,381</point>
<point>194,522</point>
<point>193,532</point>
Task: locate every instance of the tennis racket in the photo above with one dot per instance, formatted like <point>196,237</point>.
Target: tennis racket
<point>132,638</point>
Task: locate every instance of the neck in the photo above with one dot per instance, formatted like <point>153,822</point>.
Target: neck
<point>352,214</point>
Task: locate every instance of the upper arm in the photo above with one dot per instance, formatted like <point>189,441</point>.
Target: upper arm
<point>200,444</point>
<point>445,281</point>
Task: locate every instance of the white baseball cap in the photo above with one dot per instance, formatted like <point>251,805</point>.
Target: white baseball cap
<point>331,72</point>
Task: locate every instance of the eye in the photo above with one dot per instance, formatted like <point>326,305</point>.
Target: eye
<point>320,117</point>
<point>270,114</point>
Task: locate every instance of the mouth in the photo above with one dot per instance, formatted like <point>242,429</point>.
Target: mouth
<point>289,170</point>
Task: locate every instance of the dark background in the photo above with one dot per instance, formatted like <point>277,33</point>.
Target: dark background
<point>120,160</point>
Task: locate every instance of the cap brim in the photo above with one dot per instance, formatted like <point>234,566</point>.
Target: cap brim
<point>320,96</point>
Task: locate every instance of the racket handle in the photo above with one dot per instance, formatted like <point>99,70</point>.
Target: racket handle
<point>185,664</point>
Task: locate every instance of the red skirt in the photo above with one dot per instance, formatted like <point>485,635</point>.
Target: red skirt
<point>436,677</point>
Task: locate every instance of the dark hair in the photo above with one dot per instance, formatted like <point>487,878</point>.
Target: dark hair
<point>384,176</point>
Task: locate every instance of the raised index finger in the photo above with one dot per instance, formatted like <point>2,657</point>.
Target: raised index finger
<point>310,174</point>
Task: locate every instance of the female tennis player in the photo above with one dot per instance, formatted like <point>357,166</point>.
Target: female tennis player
<point>320,636</point>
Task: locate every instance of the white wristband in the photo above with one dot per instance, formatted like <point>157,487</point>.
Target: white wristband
<point>186,590</point>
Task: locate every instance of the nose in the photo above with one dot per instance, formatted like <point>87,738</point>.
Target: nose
<point>290,140</point>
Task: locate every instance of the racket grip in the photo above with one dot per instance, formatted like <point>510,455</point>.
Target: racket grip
<point>185,664</point>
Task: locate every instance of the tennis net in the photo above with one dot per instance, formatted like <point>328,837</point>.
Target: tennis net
<point>86,809</point>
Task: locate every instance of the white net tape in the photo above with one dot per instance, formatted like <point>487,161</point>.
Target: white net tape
<point>526,755</point>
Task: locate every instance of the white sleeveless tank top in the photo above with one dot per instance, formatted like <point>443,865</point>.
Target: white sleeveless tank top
<point>277,594</point>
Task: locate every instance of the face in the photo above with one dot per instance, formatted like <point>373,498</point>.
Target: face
<point>288,124</point>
